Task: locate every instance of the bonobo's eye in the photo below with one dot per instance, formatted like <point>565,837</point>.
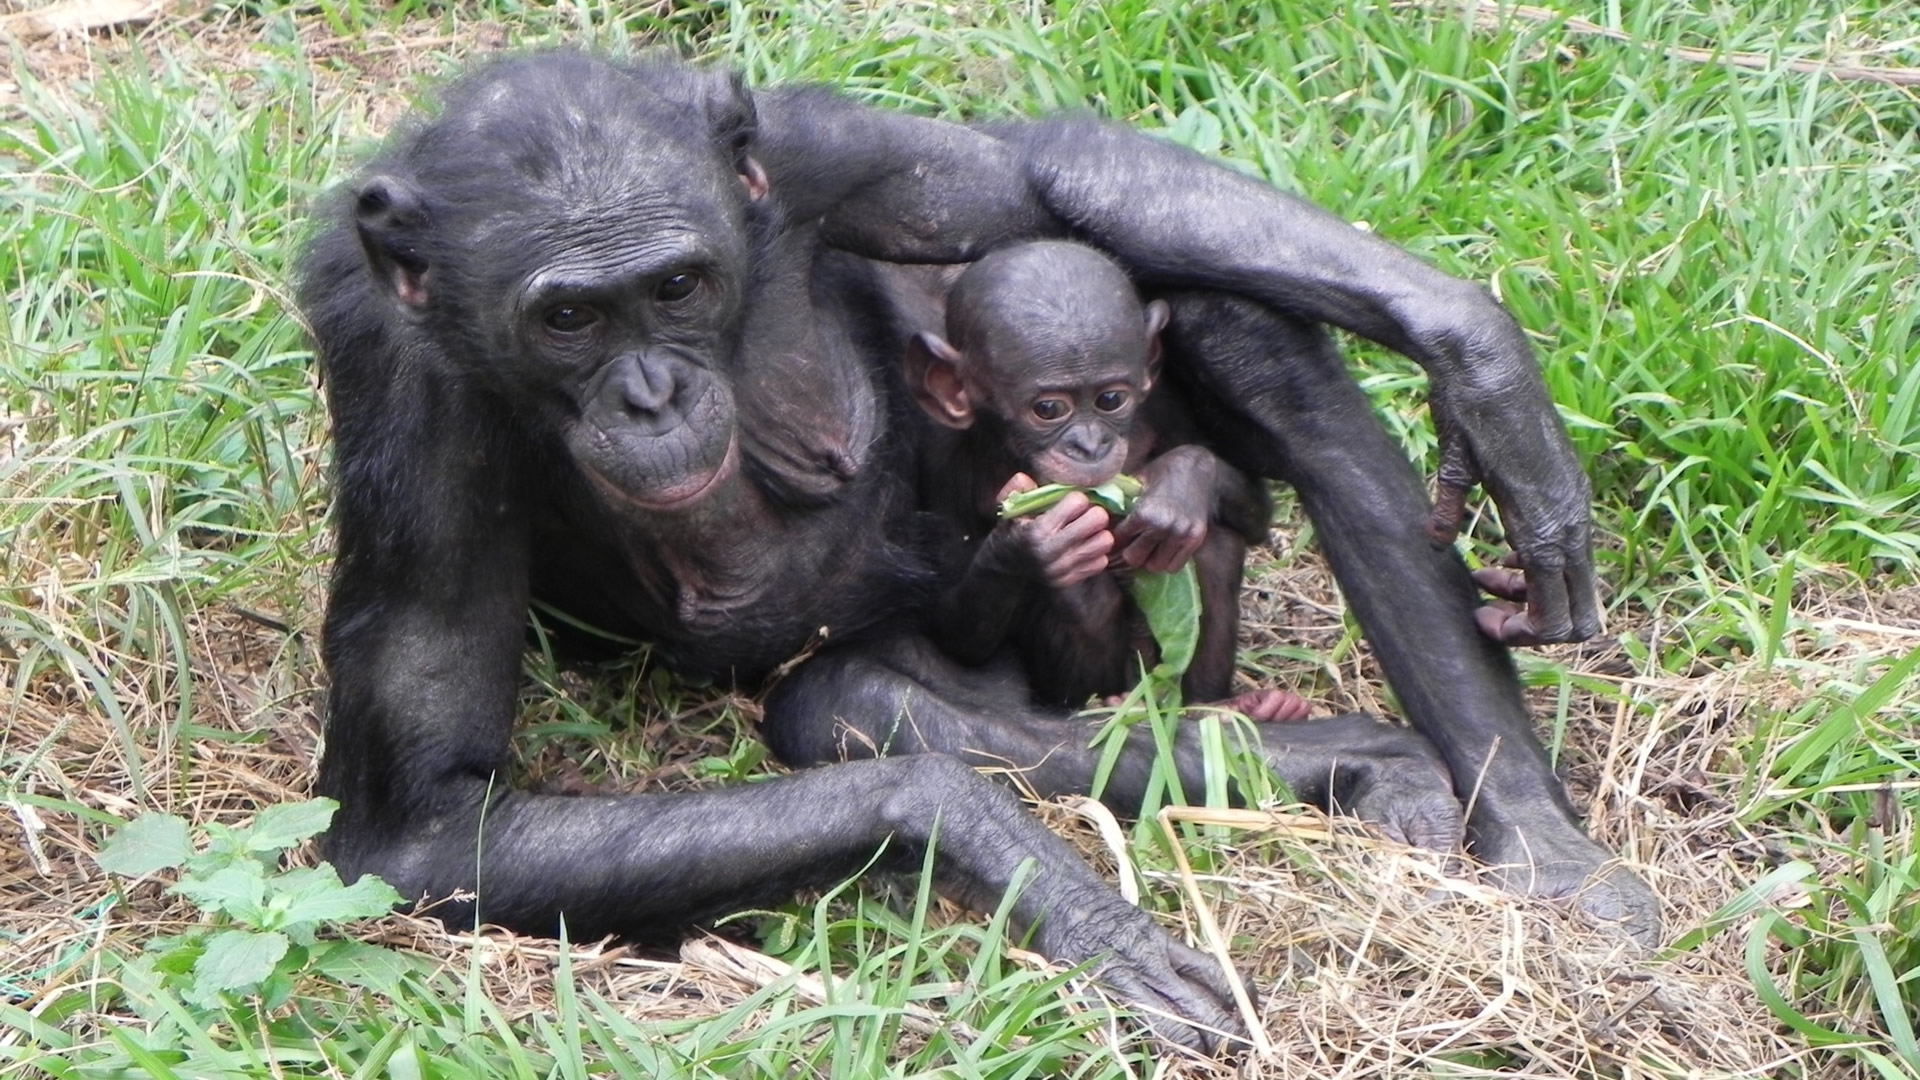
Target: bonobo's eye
<point>1111,400</point>
<point>569,319</point>
<point>677,287</point>
<point>1048,408</point>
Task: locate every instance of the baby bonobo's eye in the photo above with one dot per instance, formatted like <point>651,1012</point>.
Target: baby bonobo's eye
<point>1111,400</point>
<point>1050,408</point>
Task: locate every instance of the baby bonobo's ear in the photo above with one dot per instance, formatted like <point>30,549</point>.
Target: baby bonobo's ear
<point>1157,315</point>
<point>933,375</point>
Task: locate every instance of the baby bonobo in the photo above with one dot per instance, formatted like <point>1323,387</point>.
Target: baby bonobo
<point>1044,378</point>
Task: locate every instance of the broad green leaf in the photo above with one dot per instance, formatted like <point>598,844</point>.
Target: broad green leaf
<point>360,964</point>
<point>280,827</point>
<point>147,843</point>
<point>316,895</point>
<point>238,891</point>
<point>237,959</point>
<point>1171,603</point>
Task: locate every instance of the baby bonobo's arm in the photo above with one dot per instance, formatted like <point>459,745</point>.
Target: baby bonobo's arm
<point>1199,508</point>
<point>1062,546</point>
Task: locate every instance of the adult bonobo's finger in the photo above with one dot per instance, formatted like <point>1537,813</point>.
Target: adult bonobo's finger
<point>1547,612</point>
<point>1454,479</point>
<point>1507,623</point>
<point>1449,509</point>
<point>1583,593</point>
<point>1161,554</point>
<point>1502,582</point>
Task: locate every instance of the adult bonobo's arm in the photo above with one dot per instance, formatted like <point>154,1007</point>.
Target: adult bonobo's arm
<point>1178,220</point>
<point>910,189</point>
<point>891,186</point>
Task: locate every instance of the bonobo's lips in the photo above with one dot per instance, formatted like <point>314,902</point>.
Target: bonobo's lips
<point>1055,472</point>
<point>675,496</point>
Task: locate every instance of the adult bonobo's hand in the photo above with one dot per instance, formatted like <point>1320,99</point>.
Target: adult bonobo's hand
<point>1543,496</point>
<point>1180,992</point>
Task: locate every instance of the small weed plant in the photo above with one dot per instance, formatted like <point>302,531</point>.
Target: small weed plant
<point>263,922</point>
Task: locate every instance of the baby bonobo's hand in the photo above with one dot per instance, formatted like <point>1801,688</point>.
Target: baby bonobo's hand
<point>1069,541</point>
<point>1169,521</point>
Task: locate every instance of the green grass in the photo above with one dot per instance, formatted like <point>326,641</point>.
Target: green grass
<point>1721,268</point>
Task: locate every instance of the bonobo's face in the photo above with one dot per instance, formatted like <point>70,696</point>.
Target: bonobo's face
<point>576,234</point>
<point>1067,416</point>
<point>630,330</point>
<point>1052,346</point>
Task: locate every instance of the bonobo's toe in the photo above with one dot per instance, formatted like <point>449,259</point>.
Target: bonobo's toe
<point>1422,817</point>
<point>1564,863</point>
<point>1405,792</point>
<point>1180,992</point>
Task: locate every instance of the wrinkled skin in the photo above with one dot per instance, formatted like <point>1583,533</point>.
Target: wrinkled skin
<point>617,336</point>
<point>1045,373</point>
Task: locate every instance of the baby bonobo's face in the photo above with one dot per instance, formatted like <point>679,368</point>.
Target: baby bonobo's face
<point>1069,409</point>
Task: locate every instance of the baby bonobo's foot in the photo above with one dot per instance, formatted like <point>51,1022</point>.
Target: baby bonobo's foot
<point>1270,706</point>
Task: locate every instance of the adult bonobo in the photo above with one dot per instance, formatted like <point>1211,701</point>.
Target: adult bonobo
<point>609,334</point>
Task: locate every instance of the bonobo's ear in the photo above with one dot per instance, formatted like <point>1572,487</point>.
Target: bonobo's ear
<point>933,375</point>
<point>1158,312</point>
<point>755,179</point>
<point>732,119</point>
<point>392,219</point>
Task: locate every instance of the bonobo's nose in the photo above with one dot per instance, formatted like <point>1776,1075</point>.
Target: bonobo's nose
<point>645,384</point>
<point>1086,444</point>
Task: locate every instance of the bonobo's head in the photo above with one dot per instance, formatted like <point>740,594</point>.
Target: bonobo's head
<point>570,233</point>
<point>1049,350</point>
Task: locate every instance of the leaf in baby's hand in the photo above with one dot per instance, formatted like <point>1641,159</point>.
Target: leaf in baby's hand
<point>1171,603</point>
<point>1022,503</point>
<point>1116,495</point>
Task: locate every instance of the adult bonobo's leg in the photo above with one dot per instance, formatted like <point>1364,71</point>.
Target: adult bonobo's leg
<point>903,696</point>
<point>1306,421</point>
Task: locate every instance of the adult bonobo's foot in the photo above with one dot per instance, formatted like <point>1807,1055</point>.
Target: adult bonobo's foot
<point>1180,992</point>
<point>1356,764</point>
<point>1561,862</point>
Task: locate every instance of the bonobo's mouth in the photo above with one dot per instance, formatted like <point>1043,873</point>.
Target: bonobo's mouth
<point>1056,472</point>
<point>680,496</point>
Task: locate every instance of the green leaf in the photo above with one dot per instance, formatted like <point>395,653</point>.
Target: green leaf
<point>316,895</point>
<point>280,827</point>
<point>360,964</point>
<point>1022,503</point>
<point>147,843</point>
<point>237,959</point>
<point>1171,603</point>
<point>1116,496</point>
<point>238,891</point>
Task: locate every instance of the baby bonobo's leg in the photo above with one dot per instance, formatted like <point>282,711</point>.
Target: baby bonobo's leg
<point>1218,567</point>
